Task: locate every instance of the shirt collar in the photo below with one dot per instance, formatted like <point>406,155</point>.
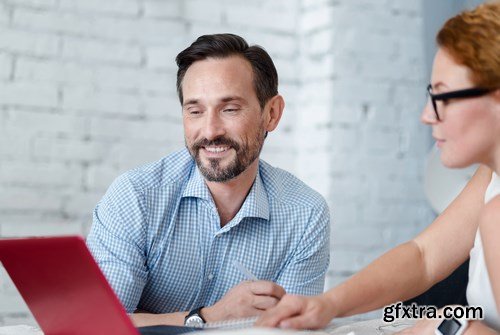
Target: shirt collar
<point>196,186</point>
<point>256,203</point>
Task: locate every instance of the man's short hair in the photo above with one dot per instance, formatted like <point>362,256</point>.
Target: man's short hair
<point>265,76</point>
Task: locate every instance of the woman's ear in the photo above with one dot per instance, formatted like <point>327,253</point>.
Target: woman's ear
<point>496,94</point>
<point>496,99</point>
<point>275,108</point>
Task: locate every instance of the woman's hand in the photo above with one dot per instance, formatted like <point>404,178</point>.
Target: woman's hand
<point>299,312</point>
<point>422,327</point>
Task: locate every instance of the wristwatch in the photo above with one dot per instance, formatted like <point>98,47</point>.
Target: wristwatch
<point>451,327</point>
<point>194,318</point>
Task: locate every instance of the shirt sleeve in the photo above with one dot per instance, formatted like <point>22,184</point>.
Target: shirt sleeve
<point>304,273</point>
<point>117,240</point>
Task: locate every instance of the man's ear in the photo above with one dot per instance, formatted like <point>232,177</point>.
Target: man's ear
<point>275,108</point>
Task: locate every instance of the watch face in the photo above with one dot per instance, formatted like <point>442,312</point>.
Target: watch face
<point>194,321</point>
<point>449,327</point>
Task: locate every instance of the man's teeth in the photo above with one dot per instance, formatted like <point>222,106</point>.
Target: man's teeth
<point>216,149</point>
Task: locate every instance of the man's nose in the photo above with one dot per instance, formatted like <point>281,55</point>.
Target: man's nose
<point>214,126</point>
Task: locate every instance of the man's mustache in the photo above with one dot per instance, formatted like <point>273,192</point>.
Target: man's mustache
<point>217,142</point>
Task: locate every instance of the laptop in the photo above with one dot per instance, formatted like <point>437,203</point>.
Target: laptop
<point>66,291</point>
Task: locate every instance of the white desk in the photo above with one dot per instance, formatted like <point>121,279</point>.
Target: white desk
<point>19,330</point>
<point>371,327</point>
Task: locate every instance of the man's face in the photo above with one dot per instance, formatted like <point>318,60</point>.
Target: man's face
<point>223,122</point>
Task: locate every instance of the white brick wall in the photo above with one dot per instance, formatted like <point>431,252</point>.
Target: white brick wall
<point>4,14</point>
<point>378,145</point>
<point>87,91</point>
<point>28,94</point>
<point>111,7</point>
<point>5,66</point>
<point>29,43</point>
<point>161,9</point>
<point>31,123</point>
<point>41,175</point>
<point>86,100</point>
<point>82,50</point>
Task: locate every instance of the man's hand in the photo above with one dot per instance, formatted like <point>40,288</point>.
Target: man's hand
<point>247,299</point>
<point>299,312</point>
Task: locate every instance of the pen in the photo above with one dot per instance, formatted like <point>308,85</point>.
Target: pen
<point>245,271</point>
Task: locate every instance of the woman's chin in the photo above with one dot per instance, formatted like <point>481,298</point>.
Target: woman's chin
<point>455,162</point>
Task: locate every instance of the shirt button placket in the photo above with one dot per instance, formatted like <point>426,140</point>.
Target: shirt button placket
<point>208,282</point>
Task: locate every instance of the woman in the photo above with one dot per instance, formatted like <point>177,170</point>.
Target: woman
<point>464,113</point>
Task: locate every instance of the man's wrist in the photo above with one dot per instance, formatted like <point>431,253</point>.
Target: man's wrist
<point>211,314</point>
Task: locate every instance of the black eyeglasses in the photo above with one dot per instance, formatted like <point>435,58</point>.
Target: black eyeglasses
<point>461,94</point>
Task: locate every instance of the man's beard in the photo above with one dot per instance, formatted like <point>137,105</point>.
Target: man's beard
<point>213,171</point>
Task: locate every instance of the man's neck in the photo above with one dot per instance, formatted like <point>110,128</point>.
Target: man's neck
<point>229,196</point>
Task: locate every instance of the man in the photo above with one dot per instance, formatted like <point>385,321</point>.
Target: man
<point>167,235</point>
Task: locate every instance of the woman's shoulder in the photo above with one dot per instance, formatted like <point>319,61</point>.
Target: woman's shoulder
<point>479,182</point>
<point>491,210</point>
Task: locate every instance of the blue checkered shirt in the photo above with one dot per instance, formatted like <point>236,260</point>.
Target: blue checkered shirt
<point>157,237</point>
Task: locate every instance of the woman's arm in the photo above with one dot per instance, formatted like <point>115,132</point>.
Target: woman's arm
<point>415,266</point>
<point>401,273</point>
<point>479,328</point>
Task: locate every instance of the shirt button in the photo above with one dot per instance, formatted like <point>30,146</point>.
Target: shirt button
<point>210,276</point>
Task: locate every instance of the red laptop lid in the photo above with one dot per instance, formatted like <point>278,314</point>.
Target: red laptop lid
<point>63,286</point>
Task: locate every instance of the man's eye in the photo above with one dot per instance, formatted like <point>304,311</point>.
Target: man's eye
<point>230,110</point>
<point>194,112</point>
